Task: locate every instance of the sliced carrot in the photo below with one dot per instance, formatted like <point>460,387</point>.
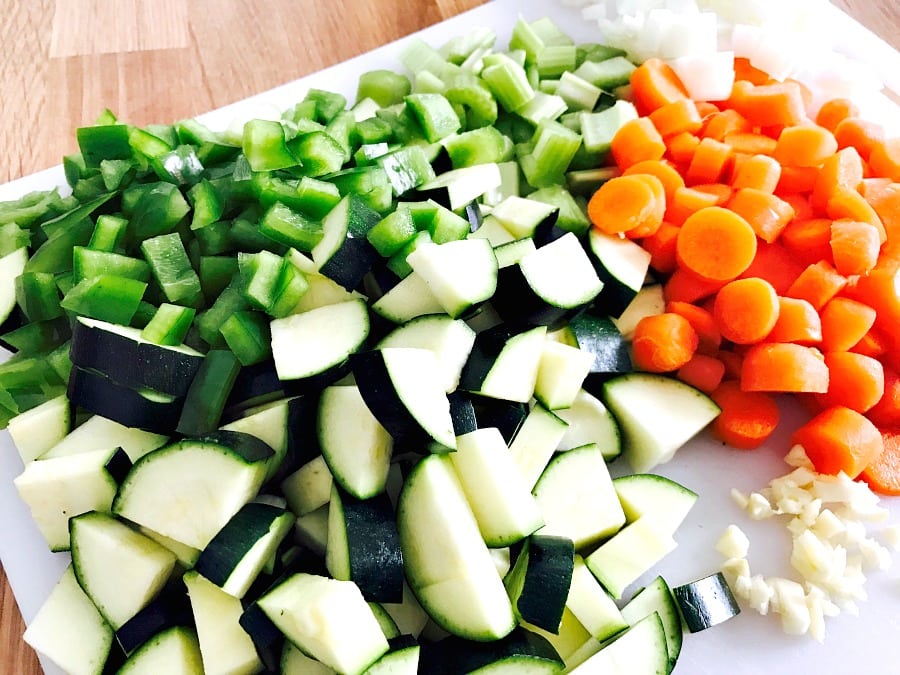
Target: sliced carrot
<point>677,117</point>
<point>710,162</point>
<point>720,191</point>
<point>803,210</point>
<point>817,284</point>
<point>808,240</point>
<point>796,179</point>
<point>661,247</point>
<point>784,367</point>
<point>844,169</point>
<point>716,244</point>
<point>703,372</point>
<point>835,111</point>
<point>744,70</point>
<point>746,310</point>
<point>759,172</point>
<point>720,124</point>
<point>655,220</point>
<point>854,381</point>
<point>703,323</point>
<point>769,104</point>
<point>798,321</point>
<point>663,343</point>
<point>844,323</point>
<point>685,286</point>
<point>871,344</point>
<point>681,147</point>
<point>886,413</point>
<point>767,214</point>
<point>881,291</point>
<point>750,143</point>
<point>775,264</point>
<point>624,203</point>
<point>687,201</point>
<point>804,145</point>
<point>733,364</point>
<point>849,204</point>
<point>747,419</point>
<point>635,141</point>
<point>860,134</point>
<point>885,159</point>
<point>839,439</point>
<point>668,175</point>
<point>654,84</point>
<point>854,246</point>
<point>883,473</point>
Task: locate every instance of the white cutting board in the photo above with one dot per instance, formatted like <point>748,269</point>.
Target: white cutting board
<point>747,645</point>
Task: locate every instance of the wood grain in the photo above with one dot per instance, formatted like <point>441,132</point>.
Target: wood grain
<point>63,62</point>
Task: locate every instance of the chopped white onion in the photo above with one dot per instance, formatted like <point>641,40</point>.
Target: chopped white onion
<point>707,77</point>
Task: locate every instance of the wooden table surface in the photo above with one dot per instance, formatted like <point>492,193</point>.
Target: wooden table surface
<point>63,61</point>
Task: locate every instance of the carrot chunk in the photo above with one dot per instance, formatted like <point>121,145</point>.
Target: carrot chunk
<point>716,244</point>
<point>844,323</point>
<point>886,413</point>
<point>767,214</point>
<point>703,372</point>
<point>797,322</point>
<point>666,173</point>
<point>746,310</point>
<point>843,170</point>
<point>766,105</point>
<point>854,381</point>
<point>635,141</point>
<point>703,323</point>
<point>685,286</point>
<point>850,205</point>
<point>686,201</point>
<point>817,284</point>
<point>747,419</point>
<point>774,263</point>
<point>681,147</point>
<point>860,134</point>
<point>885,159</point>
<point>680,116</point>
<point>835,111</point>
<point>883,473</point>
<point>808,240</point>
<point>663,343</point>
<point>710,162</point>
<point>784,367</point>
<point>750,143</point>
<point>854,246</point>
<point>839,439</point>
<point>720,124</point>
<point>654,84</point>
<point>661,247</point>
<point>759,172</point>
<point>804,145</point>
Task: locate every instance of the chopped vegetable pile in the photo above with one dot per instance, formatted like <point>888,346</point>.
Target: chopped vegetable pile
<point>352,377</point>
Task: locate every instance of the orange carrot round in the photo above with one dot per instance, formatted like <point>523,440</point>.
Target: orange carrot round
<point>804,145</point>
<point>854,381</point>
<point>839,439</point>
<point>624,203</point>
<point>883,473</point>
<point>655,220</point>
<point>746,310</point>
<point>716,244</point>
<point>663,343</point>
<point>854,246</point>
<point>797,322</point>
<point>661,247</point>
<point>784,367</point>
<point>747,419</point>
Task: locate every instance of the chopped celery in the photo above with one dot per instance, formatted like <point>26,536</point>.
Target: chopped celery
<point>508,82</point>
<point>385,87</point>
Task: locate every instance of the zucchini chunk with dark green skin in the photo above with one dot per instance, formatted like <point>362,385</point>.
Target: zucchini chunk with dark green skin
<point>621,265</point>
<point>457,656</point>
<point>238,553</point>
<point>147,410</point>
<point>121,354</point>
<point>364,545</point>
<point>539,582</point>
<point>402,388</point>
<point>598,335</point>
<point>706,602</point>
<point>169,608</point>
<point>344,254</point>
<point>503,362</point>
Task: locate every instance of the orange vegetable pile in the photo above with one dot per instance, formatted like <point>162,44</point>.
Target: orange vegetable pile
<point>777,238</point>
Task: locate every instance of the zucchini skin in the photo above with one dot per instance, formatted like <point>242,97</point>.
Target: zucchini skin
<point>376,561</point>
